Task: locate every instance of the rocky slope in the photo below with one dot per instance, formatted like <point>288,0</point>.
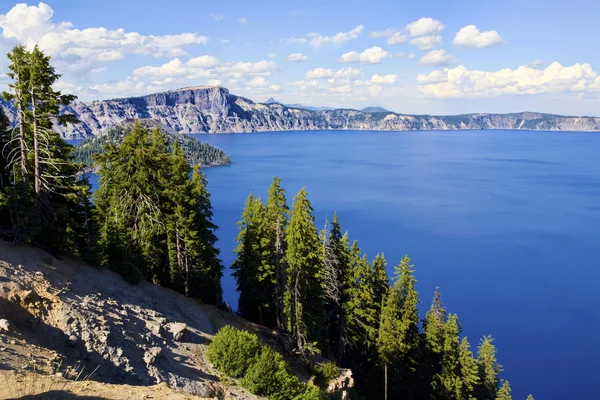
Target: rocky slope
<point>59,313</point>
<point>215,110</point>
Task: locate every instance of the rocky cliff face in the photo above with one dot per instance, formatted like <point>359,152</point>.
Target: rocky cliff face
<point>215,110</point>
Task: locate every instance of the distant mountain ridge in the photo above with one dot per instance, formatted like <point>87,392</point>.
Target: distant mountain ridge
<point>215,110</point>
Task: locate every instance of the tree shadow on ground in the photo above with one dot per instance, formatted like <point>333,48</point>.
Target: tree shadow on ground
<point>57,395</point>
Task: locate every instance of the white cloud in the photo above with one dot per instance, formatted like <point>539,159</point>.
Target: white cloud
<point>426,42</point>
<point>383,34</point>
<point>397,38</point>
<point>297,40</point>
<point>318,40</point>
<point>297,57</point>
<point>470,36</point>
<point>373,55</point>
<point>242,20</point>
<point>425,27</point>
<point>384,79</point>
<point>217,17</point>
<point>224,41</point>
<point>214,82</point>
<point>410,56</point>
<point>259,81</point>
<point>206,67</point>
<point>272,55</point>
<point>318,73</point>
<point>556,78</point>
<point>81,49</point>
<point>437,57</point>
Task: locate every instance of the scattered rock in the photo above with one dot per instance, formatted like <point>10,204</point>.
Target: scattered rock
<point>178,330</point>
<point>151,355</point>
<point>4,325</point>
<point>73,340</point>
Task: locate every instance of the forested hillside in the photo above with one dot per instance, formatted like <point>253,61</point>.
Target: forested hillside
<point>196,152</point>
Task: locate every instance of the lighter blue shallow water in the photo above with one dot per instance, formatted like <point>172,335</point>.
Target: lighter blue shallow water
<point>507,223</point>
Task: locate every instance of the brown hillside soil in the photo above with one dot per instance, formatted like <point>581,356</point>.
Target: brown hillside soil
<point>64,314</point>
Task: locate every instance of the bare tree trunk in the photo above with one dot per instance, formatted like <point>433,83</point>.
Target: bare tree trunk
<point>21,114</point>
<point>385,381</point>
<point>279,279</point>
<point>36,149</point>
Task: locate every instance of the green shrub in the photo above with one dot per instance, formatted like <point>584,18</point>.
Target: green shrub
<point>232,351</point>
<point>311,392</point>
<point>271,376</point>
<point>263,371</point>
<point>325,372</point>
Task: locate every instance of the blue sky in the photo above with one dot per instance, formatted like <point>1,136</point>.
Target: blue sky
<point>441,57</point>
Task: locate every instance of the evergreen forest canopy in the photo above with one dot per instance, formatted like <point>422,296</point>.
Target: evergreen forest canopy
<point>152,219</point>
<point>321,291</point>
<point>197,153</point>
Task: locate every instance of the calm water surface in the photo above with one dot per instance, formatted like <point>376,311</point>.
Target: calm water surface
<point>507,223</point>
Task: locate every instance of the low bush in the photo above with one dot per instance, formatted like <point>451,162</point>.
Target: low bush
<point>262,370</point>
<point>325,372</point>
<point>233,351</point>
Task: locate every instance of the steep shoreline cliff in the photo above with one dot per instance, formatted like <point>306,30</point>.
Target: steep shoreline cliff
<point>216,110</point>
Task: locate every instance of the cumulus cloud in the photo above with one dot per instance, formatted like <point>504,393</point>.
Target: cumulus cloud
<point>74,48</point>
<point>383,34</point>
<point>373,55</point>
<point>318,40</point>
<point>397,38</point>
<point>392,34</point>
<point>242,20</point>
<point>437,57</point>
<point>425,27</point>
<point>207,67</point>
<point>556,78</point>
<point>470,36</point>
<point>318,73</point>
<point>426,42</point>
<point>297,57</point>
<point>384,79</point>
<point>217,17</point>
<point>410,56</point>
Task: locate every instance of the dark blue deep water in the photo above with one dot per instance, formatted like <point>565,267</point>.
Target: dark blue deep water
<point>507,223</point>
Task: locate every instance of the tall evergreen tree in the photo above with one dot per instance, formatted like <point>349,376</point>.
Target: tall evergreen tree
<point>273,247</point>
<point>304,296</point>
<point>133,179</point>
<point>488,369</point>
<point>53,213</point>
<point>399,338</point>
<point>504,392</point>
<point>468,371</point>
<point>248,261</point>
<point>207,280</point>
<point>434,343</point>
<point>335,283</point>
<point>450,379</point>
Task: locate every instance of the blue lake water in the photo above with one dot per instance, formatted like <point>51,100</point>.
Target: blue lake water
<point>507,223</point>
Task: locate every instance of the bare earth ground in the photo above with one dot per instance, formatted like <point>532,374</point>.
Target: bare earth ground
<point>64,314</point>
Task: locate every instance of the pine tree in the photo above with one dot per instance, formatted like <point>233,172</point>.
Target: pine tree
<point>53,213</point>
<point>248,261</point>
<point>133,178</point>
<point>504,392</point>
<point>488,369</point>
<point>207,275</point>
<point>450,379</point>
<point>335,282</point>
<point>304,297</point>
<point>399,339</point>
<point>530,397</point>
<point>434,343</point>
<point>468,371</point>
<point>273,267</point>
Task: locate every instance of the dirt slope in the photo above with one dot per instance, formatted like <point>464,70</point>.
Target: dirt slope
<point>63,313</point>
